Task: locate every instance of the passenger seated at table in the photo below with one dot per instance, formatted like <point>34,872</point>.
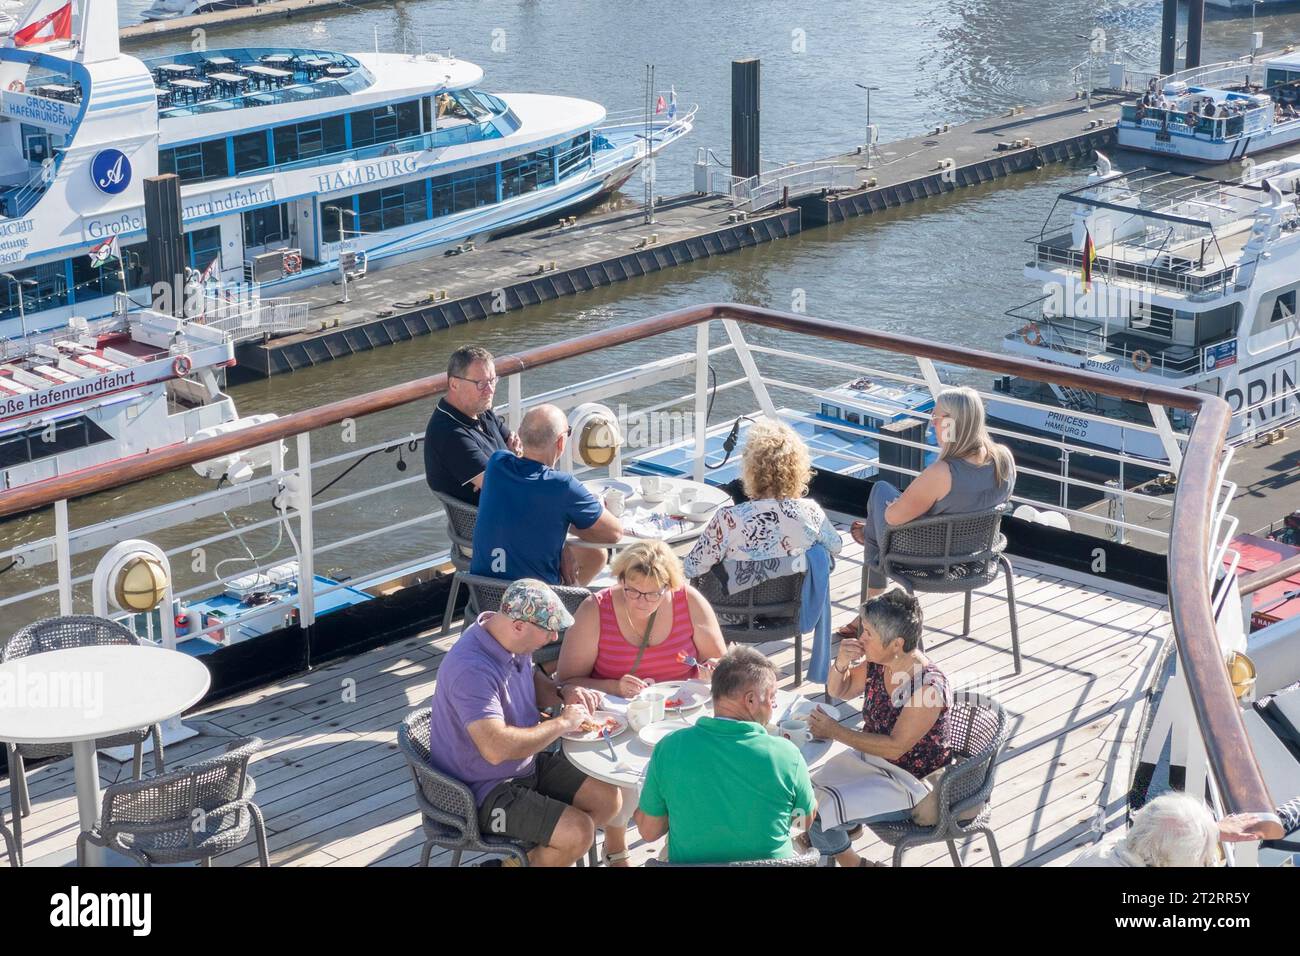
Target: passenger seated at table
<point>725,790</point>
<point>527,509</point>
<point>635,634</point>
<point>463,430</point>
<point>906,699</point>
<point>779,522</point>
<point>972,474</point>
<point>485,730</point>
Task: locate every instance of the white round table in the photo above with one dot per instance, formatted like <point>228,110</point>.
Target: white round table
<point>83,694</point>
<point>677,531</point>
<point>631,756</point>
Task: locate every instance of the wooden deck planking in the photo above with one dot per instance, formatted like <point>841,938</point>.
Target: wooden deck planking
<point>335,791</point>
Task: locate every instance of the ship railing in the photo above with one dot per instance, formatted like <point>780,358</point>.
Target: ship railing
<point>12,349</point>
<point>768,188</point>
<point>1230,73</point>
<point>1047,255</point>
<point>320,503</point>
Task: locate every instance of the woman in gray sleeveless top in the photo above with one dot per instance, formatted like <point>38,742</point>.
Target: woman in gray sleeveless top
<point>972,473</point>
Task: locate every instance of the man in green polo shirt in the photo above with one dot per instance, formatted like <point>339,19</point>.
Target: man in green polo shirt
<point>724,789</point>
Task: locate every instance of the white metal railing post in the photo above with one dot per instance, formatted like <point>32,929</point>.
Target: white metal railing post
<point>515,396</point>
<point>746,357</point>
<point>701,398</point>
<point>1167,439</point>
<point>63,555</point>
<point>307,547</point>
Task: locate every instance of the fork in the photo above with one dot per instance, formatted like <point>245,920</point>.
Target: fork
<point>604,733</point>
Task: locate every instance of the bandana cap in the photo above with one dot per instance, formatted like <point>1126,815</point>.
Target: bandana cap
<point>534,602</point>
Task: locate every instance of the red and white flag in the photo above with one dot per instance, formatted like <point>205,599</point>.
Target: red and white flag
<point>46,21</point>
<point>660,105</point>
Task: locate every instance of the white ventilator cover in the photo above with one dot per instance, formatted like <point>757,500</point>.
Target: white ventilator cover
<point>1054,519</point>
<point>1025,513</point>
<point>241,465</point>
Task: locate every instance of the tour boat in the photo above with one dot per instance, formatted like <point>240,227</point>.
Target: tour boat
<point>1163,279</point>
<point>294,163</point>
<point>171,9</point>
<point>109,391</point>
<point>1217,114</point>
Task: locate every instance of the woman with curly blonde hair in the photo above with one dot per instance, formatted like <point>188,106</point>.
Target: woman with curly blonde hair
<point>777,522</point>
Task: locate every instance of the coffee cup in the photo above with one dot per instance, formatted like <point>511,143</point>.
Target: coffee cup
<point>687,493</point>
<point>640,713</point>
<point>652,486</point>
<point>614,502</point>
<point>797,732</point>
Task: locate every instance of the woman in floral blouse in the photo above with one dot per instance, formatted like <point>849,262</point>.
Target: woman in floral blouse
<point>760,538</point>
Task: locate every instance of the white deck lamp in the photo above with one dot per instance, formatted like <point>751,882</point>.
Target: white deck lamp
<point>597,439</point>
<point>135,576</point>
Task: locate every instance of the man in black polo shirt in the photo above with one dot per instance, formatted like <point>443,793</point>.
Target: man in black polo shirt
<point>463,431</point>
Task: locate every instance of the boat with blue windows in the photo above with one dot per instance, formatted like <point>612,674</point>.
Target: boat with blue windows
<point>1218,113</point>
<point>171,9</point>
<point>295,164</point>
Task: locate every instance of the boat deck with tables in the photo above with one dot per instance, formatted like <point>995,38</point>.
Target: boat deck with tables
<point>335,790</point>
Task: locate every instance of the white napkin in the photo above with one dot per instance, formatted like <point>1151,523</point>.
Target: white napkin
<point>856,786</point>
<point>645,523</point>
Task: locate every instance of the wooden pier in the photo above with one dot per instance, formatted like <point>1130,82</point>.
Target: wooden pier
<point>242,16</point>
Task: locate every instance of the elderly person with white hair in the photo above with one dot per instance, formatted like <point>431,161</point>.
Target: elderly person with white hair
<point>1174,829</point>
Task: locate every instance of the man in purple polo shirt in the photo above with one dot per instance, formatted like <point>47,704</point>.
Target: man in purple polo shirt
<point>485,730</point>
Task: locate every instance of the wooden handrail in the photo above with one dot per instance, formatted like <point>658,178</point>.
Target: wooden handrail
<point>1226,742</point>
<point>1257,580</point>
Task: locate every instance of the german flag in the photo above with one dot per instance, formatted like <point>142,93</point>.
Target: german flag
<point>1089,256</point>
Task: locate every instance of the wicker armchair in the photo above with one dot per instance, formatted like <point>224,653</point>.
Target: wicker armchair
<point>56,634</point>
<point>447,809</point>
<point>461,519</point>
<point>11,848</point>
<point>485,594</point>
<point>808,857</point>
<point>978,729</point>
<point>947,554</point>
<point>768,612</point>
<point>185,816</point>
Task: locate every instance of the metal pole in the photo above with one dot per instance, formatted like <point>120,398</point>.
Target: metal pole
<point>22,313</point>
<point>343,272</point>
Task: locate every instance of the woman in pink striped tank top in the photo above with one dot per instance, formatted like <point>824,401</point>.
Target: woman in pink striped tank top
<point>636,634</point>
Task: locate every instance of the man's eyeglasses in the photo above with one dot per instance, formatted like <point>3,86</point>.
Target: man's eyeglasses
<point>632,594</point>
<point>483,385</point>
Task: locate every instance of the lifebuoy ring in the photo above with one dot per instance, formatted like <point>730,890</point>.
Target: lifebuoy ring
<point>1032,334</point>
<point>1190,118</point>
<point>1141,360</point>
<point>1141,112</point>
<point>17,86</point>
<point>182,366</point>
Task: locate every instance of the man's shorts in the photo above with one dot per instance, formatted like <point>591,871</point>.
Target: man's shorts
<point>529,808</point>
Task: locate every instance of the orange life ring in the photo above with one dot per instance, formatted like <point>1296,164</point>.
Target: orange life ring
<point>1032,334</point>
<point>182,366</point>
<point>1190,118</point>
<point>1141,360</point>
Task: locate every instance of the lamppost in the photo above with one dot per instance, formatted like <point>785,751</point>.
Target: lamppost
<point>343,272</point>
<point>1087,106</point>
<point>863,86</point>
<point>1253,5</point>
<point>22,308</point>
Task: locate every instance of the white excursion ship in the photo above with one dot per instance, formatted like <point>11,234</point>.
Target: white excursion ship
<point>288,158</point>
<point>109,392</point>
<point>1219,113</point>
<point>171,9</point>
<point>1194,284</point>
